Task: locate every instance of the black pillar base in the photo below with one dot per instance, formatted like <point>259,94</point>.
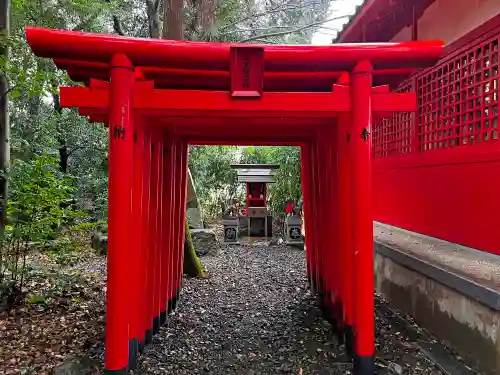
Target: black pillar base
<point>123,371</point>
<point>174,301</point>
<point>163,318</point>
<point>169,307</point>
<point>320,301</point>
<point>339,331</point>
<point>148,337</point>
<point>338,312</point>
<point>349,340</point>
<point>328,315</point>
<point>141,346</point>
<point>312,284</point>
<point>133,351</point>
<point>156,325</point>
<point>364,365</point>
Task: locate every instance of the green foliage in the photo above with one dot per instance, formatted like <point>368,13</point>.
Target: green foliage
<point>63,252</point>
<point>37,212</point>
<point>38,192</point>
<point>100,225</point>
<point>214,179</point>
<point>216,182</point>
<point>36,300</point>
<point>38,124</point>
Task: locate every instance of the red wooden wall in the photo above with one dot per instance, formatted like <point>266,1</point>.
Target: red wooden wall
<point>437,172</point>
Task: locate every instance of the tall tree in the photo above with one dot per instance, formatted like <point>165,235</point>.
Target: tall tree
<point>173,20</point>
<point>153,12</point>
<point>4,111</point>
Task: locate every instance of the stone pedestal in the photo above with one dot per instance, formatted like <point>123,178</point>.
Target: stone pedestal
<point>293,235</point>
<point>231,230</point>
<point>259,222</point>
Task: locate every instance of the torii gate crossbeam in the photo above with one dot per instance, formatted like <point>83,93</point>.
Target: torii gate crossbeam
<point>157,96</point>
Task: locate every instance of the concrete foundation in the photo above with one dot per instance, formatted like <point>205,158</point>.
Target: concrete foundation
<point>459,311</point>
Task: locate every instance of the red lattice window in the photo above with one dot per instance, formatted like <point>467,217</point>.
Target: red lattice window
<point>458,99</point>
<point>457,104</point>
<point>394,135</point>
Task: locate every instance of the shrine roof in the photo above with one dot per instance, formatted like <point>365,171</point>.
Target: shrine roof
<point>206,66</point>
<point>259,173</point>
<point>255,166</point>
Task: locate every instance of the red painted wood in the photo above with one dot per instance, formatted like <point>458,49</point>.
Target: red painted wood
<point>247,71</point>
<point>218,103</point>
<point>152,233</point>
<point>219,80</point>
<point>159,225</point>
<point>136,329</point>
<point>173,216</point>
<point>166,229</point>
<point>183,154</point>
<point>435,172</point>
<point>119,280</point>
<point>448,194</point>
<point>344,215</point>
<point>361,211</point>
<point>215,56</point>
<point>146,188</point>
<point>331,148</point>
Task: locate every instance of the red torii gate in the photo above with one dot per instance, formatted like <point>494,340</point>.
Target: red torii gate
<point>157,96</point>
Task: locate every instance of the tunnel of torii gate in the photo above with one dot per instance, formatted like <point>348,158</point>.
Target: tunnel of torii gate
<point>157,96</point>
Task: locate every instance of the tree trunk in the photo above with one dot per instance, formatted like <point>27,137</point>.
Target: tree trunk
<point>153,7</point>
<point>173,29</point>
<point>208,8</point>
<point>4,113</point>
<point>63,147</point>
<point>206,15</point>
<point>173,21</point>
<point>192,265</point>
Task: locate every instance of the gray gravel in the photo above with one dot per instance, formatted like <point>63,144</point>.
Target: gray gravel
<point>254,315</point>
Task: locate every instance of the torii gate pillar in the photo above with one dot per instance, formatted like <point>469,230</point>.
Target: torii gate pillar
<point>121,146</point>
<point>362,222</point>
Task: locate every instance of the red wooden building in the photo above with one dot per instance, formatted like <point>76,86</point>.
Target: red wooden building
<point>436,172</point>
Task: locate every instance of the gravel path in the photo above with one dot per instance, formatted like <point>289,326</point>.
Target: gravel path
<point>254,315</point>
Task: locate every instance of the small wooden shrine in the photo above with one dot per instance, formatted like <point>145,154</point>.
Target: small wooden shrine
<point>258,220</point>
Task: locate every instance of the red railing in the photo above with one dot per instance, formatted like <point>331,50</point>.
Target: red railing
<point>437,171</point>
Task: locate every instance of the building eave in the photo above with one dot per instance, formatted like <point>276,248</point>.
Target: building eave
<point>381,20</point>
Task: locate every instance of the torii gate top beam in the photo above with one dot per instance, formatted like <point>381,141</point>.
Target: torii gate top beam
<point>78,46</point>
<point>291,87</point>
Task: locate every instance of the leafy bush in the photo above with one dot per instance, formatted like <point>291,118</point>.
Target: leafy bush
<point>37,212</point>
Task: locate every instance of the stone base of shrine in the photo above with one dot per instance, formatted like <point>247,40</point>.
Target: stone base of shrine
<point>450,290</point>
